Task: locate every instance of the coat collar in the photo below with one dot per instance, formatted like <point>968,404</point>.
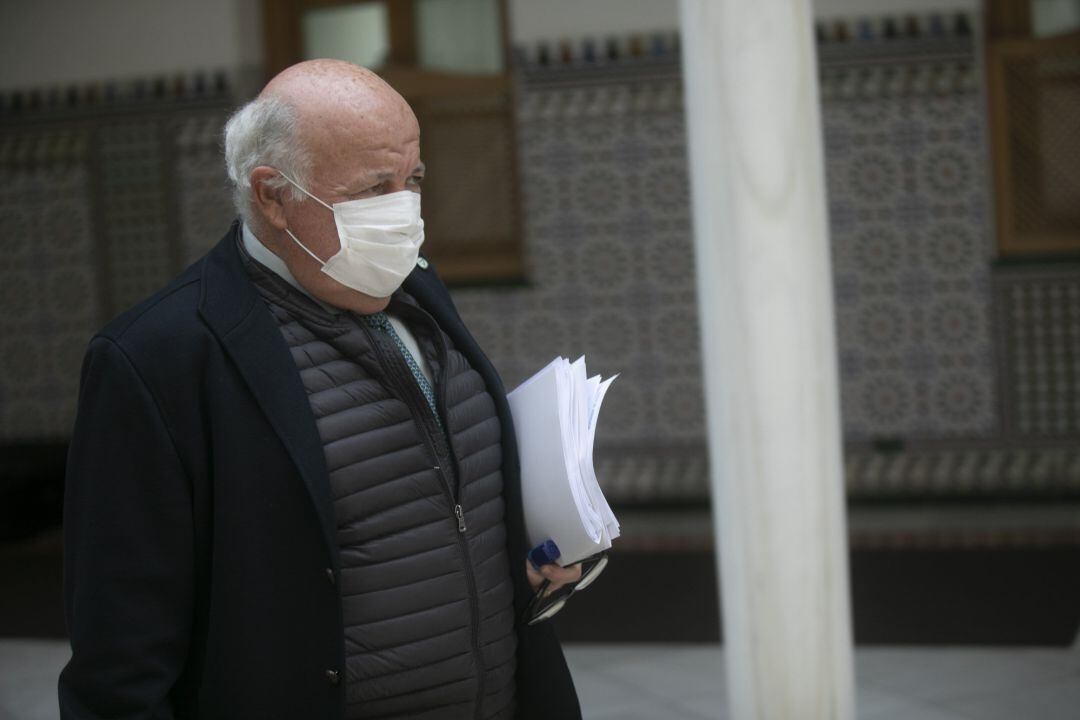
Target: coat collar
<point>231,307</point>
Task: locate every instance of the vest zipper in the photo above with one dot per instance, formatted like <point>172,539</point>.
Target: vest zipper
<point>474,593</point>
<point>429,428</point>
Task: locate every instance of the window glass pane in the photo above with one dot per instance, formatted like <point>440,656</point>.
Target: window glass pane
<point>459,35</point>
<point>357,33</point>
<point>1054,17</point>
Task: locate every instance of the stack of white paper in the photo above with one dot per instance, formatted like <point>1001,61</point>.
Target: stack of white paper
<point>555,414</point>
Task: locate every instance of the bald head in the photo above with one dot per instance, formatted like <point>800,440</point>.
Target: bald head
<point>331,97</point>
<point>330,77</point>
<point>336,130</point>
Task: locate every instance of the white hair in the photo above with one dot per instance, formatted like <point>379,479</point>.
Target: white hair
<point>263,132</point>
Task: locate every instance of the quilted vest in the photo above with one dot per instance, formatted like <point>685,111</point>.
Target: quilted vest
<point>425,583</point>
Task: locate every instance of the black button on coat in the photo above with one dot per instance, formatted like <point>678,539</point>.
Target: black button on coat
<point>198,522</point>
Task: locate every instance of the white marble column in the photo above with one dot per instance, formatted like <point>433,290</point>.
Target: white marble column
<point>765,299</point>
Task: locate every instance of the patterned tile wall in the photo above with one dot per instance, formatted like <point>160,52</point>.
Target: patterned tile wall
<point>603,175</point>
<point>105,193</point>
<point>610,252</point>
<point>135,221</point>
<point>906,167</point>
<point>49,289</point>
<point>202,186</point>
<point>122,201</point>
<point>1038,313</point>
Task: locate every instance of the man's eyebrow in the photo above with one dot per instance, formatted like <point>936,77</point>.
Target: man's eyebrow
<point>384,176</point>
<point>372,180</point>
<point>366,181</point>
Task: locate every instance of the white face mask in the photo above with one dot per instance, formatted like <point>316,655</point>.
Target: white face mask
<point>380,241</point>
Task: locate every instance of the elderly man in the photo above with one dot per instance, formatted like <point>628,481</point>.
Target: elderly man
<point>292,487</point>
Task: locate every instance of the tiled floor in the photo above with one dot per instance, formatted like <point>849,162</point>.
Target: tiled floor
<point>685,682</point>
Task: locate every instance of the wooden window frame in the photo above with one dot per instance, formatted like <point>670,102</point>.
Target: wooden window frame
<point>1009,37</point>
<point>999,55</point>
<point>283,33</point>
<point>495,260</point>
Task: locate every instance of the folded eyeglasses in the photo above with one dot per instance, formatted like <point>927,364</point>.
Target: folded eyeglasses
<point>543,605</point>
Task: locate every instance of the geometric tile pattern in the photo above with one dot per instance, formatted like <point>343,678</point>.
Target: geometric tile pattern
<point>1038,316</point>
<point>102,207</point>
<point>974,471</point>
<point>964,471</point>
<point>610,256</point>
<point>134,216</point>
<point>911,244</point>
<point>105,193</point>
<point>672,474</point>
<point>607,226</point>
<point>609,252</point>
<point>48,288</point>
<point>204,195</point>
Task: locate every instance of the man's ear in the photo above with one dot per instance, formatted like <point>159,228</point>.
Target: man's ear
<point>268,198</point>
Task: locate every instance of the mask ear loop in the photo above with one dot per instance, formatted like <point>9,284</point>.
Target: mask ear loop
<point>304,248</point>
<point>299,187</point>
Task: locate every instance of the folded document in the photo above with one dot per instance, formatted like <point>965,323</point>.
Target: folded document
<point>555,414</point>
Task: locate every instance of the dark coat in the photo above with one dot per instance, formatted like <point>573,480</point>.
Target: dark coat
<point>199,554</point>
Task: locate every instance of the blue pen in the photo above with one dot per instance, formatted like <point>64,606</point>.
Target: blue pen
<point>544,553</point>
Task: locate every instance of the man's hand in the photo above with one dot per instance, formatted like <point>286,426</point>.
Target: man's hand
<point>555,575</point>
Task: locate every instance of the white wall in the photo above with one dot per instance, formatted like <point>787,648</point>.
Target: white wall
<point>45,42</point>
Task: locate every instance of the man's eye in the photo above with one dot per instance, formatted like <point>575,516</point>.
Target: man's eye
<point>416,179</point>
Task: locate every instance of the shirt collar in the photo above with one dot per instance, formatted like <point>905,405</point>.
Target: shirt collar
<point>262,255</point>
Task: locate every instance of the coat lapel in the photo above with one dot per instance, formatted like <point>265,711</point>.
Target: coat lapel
<point>233,310</point>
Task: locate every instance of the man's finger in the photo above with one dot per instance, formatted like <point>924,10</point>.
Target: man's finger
<point>561,575</point>
<point>533,575</point>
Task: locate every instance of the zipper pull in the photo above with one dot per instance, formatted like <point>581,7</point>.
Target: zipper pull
<point>460,518</point>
